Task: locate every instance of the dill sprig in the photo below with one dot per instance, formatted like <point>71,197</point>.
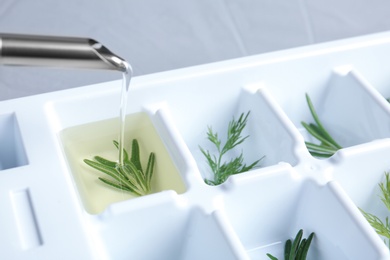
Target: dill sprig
<point>380,227</point>
<point>328,146</point>
<point>296,249</point>
<point>128,176</point>
<point>222,170</point>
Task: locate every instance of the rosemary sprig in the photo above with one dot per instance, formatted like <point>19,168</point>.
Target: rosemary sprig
<point>296,249</point>
<point>382,228</point>
<point>222,170</point>
<point>128,177</point>
<point>328,146</point>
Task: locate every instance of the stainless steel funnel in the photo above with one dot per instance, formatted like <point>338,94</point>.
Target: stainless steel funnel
<point>53,51</point>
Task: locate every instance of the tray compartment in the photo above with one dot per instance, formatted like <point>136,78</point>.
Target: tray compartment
<point>360,180</point>
<point>270,132</point>
<point>86,141</point>
<point>282,202</point>
<point>12,152</point>
<point>352,110</point>
<point>160,225</point>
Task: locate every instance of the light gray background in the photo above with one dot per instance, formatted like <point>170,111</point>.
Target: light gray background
<point>155,35</point>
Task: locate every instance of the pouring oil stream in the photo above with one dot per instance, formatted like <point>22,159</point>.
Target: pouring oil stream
<point>127,75</point>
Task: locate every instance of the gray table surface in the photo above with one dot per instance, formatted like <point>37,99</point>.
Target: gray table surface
<point>164,35</point>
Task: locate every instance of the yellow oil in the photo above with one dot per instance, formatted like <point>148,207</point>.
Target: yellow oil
<point>86,141</point>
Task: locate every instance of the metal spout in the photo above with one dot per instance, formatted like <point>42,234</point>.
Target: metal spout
<point>61,52</point>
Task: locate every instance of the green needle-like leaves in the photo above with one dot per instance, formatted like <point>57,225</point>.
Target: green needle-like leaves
<point>328,146</point>
<point>385,189</point>
<point>127,177</point>
<point>222,170</point>
<point>382,228</point>
<point>296,249</point>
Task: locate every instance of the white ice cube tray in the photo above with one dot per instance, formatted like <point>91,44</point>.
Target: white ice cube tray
<point>44,215</point>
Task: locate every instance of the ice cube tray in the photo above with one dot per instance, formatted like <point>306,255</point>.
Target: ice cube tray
<point>46,214</point>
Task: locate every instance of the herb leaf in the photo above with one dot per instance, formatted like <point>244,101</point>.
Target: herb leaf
<point>287,249</point>
<point>328,146</point>
<point>222,170</point>
<point>295,245</point>
<point>129,176</point>
<point>305,247</point>
<point>272,257</point>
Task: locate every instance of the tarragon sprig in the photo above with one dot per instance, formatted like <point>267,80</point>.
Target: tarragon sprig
<point>222,170</point>
<point>128,176</point>
<point>328,146</point>
<point>382,228</point>
<point>296,249</point>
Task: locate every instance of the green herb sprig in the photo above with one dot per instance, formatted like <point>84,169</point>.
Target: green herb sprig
<point>128,177</point>
<point>296,249</point>
<point>382,228</point>
<point>328,146</point>
<point>222,170</point>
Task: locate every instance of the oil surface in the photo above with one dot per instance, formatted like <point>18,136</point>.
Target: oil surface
<point>86,141</point>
